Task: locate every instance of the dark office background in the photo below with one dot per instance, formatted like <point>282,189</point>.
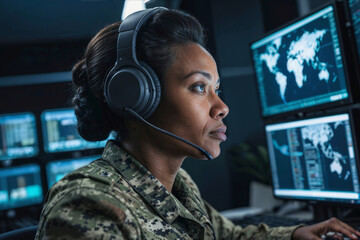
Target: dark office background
<point>50,36</point>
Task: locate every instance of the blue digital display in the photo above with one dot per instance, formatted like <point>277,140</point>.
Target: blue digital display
<point>20,186</point>
<point>60,132</point>
<point>354,6</point>
<point>314,159</point>
<point>18,137</point>
<point>57,170</point>
<point>301,65</point>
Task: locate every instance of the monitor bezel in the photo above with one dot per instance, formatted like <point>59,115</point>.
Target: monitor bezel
<point>354,115</point>
<point>340,23</point>
<point>36,146</point>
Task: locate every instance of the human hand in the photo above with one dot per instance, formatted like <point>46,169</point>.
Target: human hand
<point>314,232</point>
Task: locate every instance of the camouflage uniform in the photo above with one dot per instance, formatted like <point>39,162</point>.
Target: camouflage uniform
<point>115,197</point>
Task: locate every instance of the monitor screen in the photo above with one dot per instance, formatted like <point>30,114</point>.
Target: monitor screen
<point>57,170</point>
<point>18,138</point>
<point>20,186</point>
<point>314,159</point>
<point>354,6</point>
<point>301,65</point>
<point>60,133</point>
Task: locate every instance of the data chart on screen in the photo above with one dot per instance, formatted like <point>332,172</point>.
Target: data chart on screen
<point>58,169</point>
<point>20,186</point>
<point>18,136</point>
<point>60,132</point>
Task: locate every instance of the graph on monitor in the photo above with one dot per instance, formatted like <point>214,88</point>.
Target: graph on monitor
<point>18,137</point>
<point>58,169</point>
<point>301,65</point>
<point>314,159</point>
<point>60,132</point>
<point>20,186</point>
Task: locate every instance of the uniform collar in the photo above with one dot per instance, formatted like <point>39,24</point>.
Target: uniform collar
<point>142,181</point>
<point>186,191</point>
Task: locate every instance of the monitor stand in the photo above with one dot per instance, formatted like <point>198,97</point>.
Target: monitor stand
<point>348,215</point>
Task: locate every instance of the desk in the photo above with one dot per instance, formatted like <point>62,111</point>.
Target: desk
<point>238,213</point>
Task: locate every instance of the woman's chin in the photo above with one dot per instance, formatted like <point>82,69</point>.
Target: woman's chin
<point>214,152</point>
<point>212,149</point>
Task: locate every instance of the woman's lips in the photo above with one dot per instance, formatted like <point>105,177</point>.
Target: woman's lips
<point>219,133</point>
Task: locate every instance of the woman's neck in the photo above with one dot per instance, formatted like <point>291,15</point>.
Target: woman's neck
<point>160,163</point>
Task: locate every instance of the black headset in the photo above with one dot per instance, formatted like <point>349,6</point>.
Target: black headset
<point>131,88</point>
<point>132,84</point>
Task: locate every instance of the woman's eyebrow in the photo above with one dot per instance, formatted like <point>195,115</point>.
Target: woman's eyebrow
<point>218,81</point>
<point>205,74</point>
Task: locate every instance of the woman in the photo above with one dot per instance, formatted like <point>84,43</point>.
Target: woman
<point>137,190</point>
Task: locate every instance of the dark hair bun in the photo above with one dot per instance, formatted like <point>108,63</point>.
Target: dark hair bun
<point>87,106</point>
<point>79,74</point>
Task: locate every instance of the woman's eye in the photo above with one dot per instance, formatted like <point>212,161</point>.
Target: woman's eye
<point>199,88</point>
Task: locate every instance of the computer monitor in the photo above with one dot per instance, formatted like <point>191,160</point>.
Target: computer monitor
<point>60,133</point>
<point>301,66</point>
<point>20,186</point>
<point>314,159</point>
<point>18,138</point>
<point>58,169</point>
<point>354,9</point>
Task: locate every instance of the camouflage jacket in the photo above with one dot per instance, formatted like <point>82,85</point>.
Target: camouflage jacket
<point>115,197</point>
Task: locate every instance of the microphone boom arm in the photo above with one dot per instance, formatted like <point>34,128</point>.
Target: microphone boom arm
<point>137,116</point>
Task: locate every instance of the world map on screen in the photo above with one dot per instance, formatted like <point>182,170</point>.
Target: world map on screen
<point>300,65</point>
<point>302,52</point>
<point>320,136</point>
<point>327,143</point>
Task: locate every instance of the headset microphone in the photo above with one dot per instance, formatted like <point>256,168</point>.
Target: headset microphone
<point>138,117</point>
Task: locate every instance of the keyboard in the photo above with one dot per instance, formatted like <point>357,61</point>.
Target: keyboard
<point>269,219</point>
<point>12,224</point>
<point>19,218</point>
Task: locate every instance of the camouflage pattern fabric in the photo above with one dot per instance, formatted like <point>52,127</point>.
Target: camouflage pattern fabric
<point>115,197</point>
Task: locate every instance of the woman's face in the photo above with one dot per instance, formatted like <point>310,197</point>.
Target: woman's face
<point>190,106</point>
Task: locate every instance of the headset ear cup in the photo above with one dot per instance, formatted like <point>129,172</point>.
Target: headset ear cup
<point>157,85</point>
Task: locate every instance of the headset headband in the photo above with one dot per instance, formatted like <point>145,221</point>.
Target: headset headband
<point>128,30</point>
<point>131,83</point>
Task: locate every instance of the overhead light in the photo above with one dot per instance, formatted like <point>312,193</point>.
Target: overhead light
<point>131,6</point>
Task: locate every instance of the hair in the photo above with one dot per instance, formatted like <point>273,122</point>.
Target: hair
<point>155,46</point>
